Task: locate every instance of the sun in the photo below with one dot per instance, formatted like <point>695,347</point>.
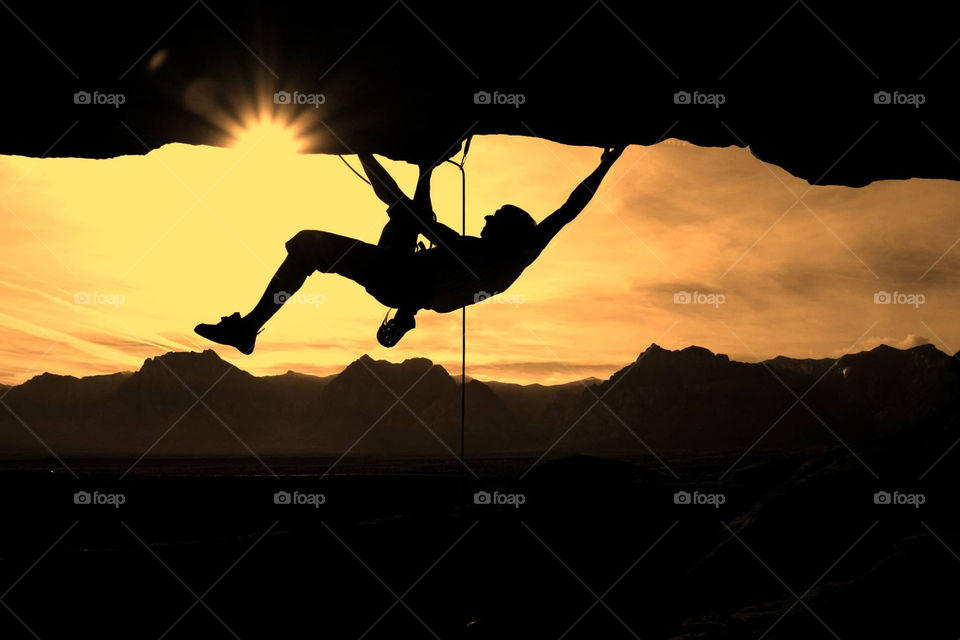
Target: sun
<point>255,120</point>
<point>268,137</point>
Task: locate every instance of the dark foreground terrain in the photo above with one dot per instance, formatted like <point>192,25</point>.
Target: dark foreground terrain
<point>599,548</point>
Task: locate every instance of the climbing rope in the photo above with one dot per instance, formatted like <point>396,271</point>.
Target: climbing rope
<point>349,166</point>
<point>463,310</point>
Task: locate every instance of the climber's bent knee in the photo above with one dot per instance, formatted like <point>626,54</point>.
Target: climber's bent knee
<point>325,251</point>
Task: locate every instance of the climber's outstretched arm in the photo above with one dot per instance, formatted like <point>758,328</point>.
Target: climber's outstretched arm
<point>578,200</point>
<point>383,184</point>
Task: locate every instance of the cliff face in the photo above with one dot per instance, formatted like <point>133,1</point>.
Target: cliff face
<point>836,94</point>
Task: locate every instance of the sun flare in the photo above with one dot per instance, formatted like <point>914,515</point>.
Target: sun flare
<point>266,136</point>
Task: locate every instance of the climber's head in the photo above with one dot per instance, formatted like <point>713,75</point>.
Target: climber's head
<point>509,223</point>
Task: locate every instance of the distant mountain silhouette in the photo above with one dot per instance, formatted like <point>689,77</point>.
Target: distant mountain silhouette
<point>694,400</point>
<point>690,400</point>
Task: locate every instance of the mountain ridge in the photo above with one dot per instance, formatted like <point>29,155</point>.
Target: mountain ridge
<point>686,400</point>
<point>654,348</point>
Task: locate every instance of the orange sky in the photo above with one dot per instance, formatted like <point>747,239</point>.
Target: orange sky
<point>796,279</point>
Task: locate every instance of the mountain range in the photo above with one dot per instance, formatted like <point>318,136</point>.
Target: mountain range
<point>190,404</point>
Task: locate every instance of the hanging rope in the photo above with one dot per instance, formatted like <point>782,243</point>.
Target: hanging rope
<point>349,166</point>
<point>463,310</point>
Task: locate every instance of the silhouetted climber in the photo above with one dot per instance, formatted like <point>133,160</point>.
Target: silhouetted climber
<point>398,272</point>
